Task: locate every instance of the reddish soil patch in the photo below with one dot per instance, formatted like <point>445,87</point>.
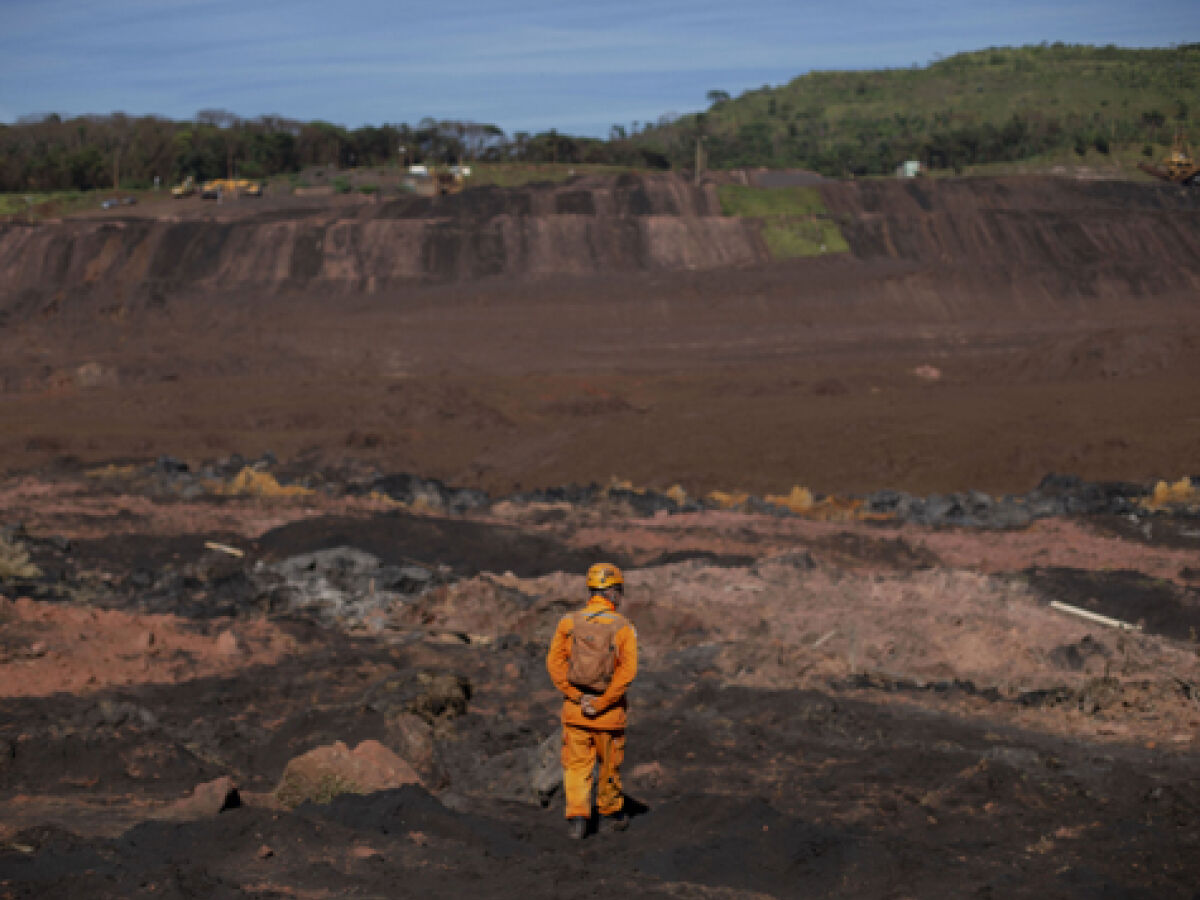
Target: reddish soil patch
<point>47,648</point>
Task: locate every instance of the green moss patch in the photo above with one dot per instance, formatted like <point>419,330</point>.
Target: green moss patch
<point>795,221</point>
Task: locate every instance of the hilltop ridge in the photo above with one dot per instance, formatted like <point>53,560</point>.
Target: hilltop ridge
<point>1000,104</point>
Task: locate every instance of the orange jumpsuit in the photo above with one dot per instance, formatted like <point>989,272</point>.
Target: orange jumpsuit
<point>583,739</point>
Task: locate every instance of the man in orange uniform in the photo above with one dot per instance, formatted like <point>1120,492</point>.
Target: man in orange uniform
<point>592,660</point>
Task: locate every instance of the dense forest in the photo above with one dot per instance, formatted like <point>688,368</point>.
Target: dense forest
<point>995,105</point>
<point>1002,104</point>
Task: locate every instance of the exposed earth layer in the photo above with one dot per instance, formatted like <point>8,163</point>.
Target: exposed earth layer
<point>979,333</point>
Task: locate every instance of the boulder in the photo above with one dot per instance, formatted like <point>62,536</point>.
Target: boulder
<point>325,772</point>
<point>647,775</point>
<point>208,799</point>
<point>227,643</point>
<point>1007,513</point>
<point>412,737</point>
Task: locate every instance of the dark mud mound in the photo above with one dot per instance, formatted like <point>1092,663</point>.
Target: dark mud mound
<point>465,547</point>
<point>1160,607</point>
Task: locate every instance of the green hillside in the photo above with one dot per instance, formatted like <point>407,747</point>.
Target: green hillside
<point>991,106</point>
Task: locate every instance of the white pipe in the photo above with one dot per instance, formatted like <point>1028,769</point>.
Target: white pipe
<point>1094,617</point>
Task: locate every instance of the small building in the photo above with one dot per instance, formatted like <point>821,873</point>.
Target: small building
<point>910,168</point>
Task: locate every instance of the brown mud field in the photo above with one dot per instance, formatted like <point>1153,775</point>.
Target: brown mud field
<point>979,334</point>
<point>300,673</point>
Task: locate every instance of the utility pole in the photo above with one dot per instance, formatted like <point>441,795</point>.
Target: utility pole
<point>117,169</point>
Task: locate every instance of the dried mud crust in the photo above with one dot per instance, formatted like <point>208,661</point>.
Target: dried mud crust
<point>823,709</point>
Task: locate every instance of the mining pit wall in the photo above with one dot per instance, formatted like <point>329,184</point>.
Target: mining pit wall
<point>585,228</point>
<point>1028,236</point>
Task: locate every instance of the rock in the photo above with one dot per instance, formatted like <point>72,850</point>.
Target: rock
<point>644,503</point>
<point>209,798</point>
<point>978,504</point>
<point>885,501</point>
<point>322,774</point>
<point>571,494</point>
<point>647,774</point>
<point>144,640</point>
<point>403,579</point>
<point>1008,513</point>
<point>412,737</point>
<point>115,713</point>
<point>943,509</point>
<point>441,694</point>
<point>429,493</point>
<point>265,852</point>
<point>228,644</point>
<point>546,773</point>
<point>169,465</point>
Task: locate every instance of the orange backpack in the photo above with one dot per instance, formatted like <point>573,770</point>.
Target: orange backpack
<point>594,650</point>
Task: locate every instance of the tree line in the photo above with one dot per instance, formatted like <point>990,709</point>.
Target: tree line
<point>86,152</point>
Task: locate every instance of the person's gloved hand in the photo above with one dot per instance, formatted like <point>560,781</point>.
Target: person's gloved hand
<point>587,706</point>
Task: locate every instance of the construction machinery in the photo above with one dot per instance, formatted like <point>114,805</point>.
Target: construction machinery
<point>1179,166</point>
<point>186,188</point>
<point>231,187</point>
<point>452,181</point>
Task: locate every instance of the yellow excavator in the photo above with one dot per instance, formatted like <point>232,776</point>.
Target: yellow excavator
<point>1179,166</point>
<point>184,189</point>
<point>231,187</point>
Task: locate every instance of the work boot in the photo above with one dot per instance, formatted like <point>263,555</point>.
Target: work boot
<point>576,828</point>
<point>618,821</point>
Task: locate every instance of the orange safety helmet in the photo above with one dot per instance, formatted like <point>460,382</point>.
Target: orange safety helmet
<point>602,576</point>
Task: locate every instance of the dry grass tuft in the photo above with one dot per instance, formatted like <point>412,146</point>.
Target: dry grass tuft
<point>254,483</point>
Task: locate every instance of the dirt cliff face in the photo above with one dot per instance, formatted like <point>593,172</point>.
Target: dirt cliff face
<point>588,227</point>
<point>1011,238</point>
<point>1049,239</point>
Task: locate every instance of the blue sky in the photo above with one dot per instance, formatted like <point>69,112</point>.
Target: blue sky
<point>523,64</point>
